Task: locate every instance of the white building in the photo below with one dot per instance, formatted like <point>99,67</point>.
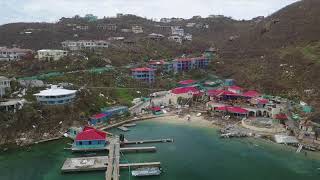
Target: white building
<point>51,54</point>
<point>56,96</point>
<point>177,39</point>
<point>137,29</point>
<point>85,44</point>
<point>155,36</point>
<point>13,54</point>
<point>188,37</point>
<point>190,25</point>
<point>82,27</point>
<point>177,30</point>
<point>4,84</point>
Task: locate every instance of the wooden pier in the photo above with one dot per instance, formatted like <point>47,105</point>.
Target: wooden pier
<point>148,141</point>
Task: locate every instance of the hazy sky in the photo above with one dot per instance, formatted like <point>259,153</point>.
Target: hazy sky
<point>52,10</point>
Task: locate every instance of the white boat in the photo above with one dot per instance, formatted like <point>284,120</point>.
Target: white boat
<point>150,171</point>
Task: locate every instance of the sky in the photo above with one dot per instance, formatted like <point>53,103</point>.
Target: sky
<point>52,10</point>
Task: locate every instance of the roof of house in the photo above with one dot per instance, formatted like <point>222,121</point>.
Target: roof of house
<point>2,78</point>
<point>233,109</point>
<point>99,116</point>
<point>281,116</point>
<point>260,100</point>
<point>186,82</point>
<point>91,134</point>
<point>55,91</point>
<point>183,90</point>
<point>145,69</point>
<point>221,92</point>
<point>156,108</point>
<point>235,88</point>
<point>251,94</point>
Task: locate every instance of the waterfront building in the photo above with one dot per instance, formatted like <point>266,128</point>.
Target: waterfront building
<point>90,138</point>
<point>14,54</point>
<point>182,92</point>
<point>115,110</point>
<point>85,44</point>
<point>144,74</point>
<point>106,114</point>
<point>51,54</point>
<point>56,96</point>
<point>99,119</point>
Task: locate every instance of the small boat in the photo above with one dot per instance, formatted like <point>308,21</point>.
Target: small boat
<point>149,171</point>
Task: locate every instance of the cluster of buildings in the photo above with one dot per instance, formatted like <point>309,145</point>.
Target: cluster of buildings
<point>14,54</point>
<point>179,35</point>
<point>148,74</point>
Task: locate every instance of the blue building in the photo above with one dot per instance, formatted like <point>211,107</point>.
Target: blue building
<point>56,96</point>
<point>144,74</point>
<point>90,138</point>
<point>115,111</point>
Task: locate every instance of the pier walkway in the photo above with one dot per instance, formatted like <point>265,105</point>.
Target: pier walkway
<point>113,159</point>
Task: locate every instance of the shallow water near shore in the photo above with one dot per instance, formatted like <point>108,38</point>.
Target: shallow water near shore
<point>197,153</point>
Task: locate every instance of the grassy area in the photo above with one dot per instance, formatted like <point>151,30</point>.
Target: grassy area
<point>310,51</point>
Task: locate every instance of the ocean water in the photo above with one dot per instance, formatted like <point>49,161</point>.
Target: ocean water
<point>197,153</point>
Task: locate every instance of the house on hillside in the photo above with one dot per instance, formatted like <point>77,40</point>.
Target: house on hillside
<point>85,44</point>
<point>82,27</point>
<point>137,29</point>
<point>144,74</point>
<point>126,30</point>
<point>188,37</point>
<point>51,54</point>
<point>186,64</point>
<point>91,138</point>
<point>155,36</point>
<point>4,84</point>
<point>14,54</point>
<point>107,27</point>
<point>161,65</point>
<point>177,39</point>
<point>56,96</point>
<point>177,30</point>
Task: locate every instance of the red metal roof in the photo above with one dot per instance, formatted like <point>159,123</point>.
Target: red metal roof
<point>146,69</point>
<point>183,90</point>
<point>156,108</point>
<point>186,82</point>
<point>99,116</point>
<point>281,116</point>
<point>91,134</point>
<point>233,109</point>
<point>251,94</point>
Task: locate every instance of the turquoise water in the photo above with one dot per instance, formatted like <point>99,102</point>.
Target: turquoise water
<point>197,153</point>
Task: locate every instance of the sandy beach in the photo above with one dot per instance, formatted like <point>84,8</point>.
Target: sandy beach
<point>195,121</point>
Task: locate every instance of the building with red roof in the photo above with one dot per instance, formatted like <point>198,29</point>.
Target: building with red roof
<point>235,89</point>
<point>188,82</point>
<point>144,74</point>
<point>183,92</point>
<point>259,102</point>
<point>237,111</point>
<point>251,94</point>
<point>98,118</point>
<point>91,138</point>
<point>220,94</point>
<point>186,64</point>
<point>161,65</point>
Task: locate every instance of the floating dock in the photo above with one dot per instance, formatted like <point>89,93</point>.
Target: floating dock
<point>138,149</point>
<point>148,141</point>
<point>122,128</point>
<point>129,125</point>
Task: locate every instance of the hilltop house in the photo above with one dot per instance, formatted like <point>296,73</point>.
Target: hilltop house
<point>56,96</point>
<point>4,84</point>
<point>51,54</point>
<point>137,29</point>
<point>85,44</point>
<point>13,54</point>
<point>144,74</point>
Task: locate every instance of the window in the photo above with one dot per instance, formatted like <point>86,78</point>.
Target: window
<point>80,143</point>
<point>90,142</point>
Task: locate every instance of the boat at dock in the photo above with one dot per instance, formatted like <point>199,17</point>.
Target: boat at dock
<point>149,171</point>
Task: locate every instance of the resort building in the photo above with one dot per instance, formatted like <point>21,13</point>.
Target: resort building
<point>90,138</point>
<point>85,44</point>
<point>137,29</point>
<point>4,84</point>
<point>186,64</point>
<point>14,54</point>
<point>56,96</point>
<point>144,74</point>
<point>51,54</point>
<point>161,65</point>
